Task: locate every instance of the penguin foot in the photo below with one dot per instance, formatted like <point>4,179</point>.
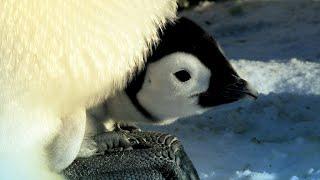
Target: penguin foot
<point>113,141</point>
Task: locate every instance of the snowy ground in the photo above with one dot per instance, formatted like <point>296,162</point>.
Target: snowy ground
<point>275,45</point>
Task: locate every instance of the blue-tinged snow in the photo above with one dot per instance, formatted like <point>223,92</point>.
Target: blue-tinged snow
<point>275,45</point>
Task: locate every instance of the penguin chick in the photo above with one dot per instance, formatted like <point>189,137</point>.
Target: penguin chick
<point>187,73</point>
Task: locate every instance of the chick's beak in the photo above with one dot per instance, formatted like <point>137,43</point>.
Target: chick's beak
<point>238,89</point>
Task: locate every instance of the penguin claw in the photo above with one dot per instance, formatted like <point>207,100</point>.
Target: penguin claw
<point>112,141</point>
<point>127,127</point>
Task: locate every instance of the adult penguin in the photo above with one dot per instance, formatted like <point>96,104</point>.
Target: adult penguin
<point>58,58</point>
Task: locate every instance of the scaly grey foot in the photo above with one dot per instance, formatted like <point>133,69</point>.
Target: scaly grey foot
<point>113,141</point>
<point>154,156</point>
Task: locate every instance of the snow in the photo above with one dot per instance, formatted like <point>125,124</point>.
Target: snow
<point>275,45</point>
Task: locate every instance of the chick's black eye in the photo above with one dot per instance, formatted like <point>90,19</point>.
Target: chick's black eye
<point>182,75</point>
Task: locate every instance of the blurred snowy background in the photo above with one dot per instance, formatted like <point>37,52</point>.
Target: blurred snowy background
<point>275,45</point>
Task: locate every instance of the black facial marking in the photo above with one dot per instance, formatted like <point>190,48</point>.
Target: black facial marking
<point>186,36</point>
<point>132,90</point>
<point>182,75</point>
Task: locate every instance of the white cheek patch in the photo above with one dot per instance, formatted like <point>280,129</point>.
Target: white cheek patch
<point>164,96</point>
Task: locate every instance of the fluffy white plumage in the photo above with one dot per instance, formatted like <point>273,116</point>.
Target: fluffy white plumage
<point>165,96</point>
<point>57,58</point>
